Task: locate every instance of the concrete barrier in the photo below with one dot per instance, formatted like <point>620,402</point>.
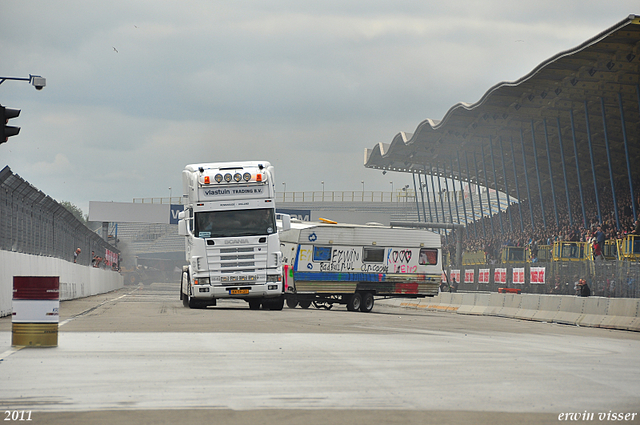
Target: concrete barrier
<point>76,281</point>
<point>444,302</point>
<point>570,311</point>
<point>594,311</point>
<point>511,305</point>
<point>548,308</point>
<point>529,305</point>
<point>496,302</point>
<point>427,301</point>
<point>614,313</point>
<point>622,313</point>
<point>467,302</point>
<point>481,304</point>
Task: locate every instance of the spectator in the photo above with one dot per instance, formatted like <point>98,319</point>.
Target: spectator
<point>75,255</point>
<point>454,286</point>
<point>584,290</point>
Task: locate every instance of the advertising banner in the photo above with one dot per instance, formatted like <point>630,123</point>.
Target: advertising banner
<point>518,275</point>
<point>537,275</point>
<point>483,276</point>
<point>455,274</point>
<point>469,276</point>
<point>500,276</point>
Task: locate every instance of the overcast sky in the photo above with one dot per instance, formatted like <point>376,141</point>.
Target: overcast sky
<point>138,89</point>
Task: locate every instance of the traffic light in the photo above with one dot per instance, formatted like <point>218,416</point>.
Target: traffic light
<point>7,131</point>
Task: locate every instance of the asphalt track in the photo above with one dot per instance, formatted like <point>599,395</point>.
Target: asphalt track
<point>137,356</point>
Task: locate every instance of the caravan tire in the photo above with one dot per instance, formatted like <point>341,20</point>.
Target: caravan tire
<point>367,302</point>
<point>304,304</point>
<point>354,302</point>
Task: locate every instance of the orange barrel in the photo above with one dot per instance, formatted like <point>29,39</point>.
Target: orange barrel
<point>36,302</point>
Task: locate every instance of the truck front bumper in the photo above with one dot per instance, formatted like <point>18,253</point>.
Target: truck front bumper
<point>210,292</point>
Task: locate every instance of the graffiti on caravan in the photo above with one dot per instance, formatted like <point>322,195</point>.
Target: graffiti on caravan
<point>302,215</point>
<point>341,260</point>
<point>398,261</point>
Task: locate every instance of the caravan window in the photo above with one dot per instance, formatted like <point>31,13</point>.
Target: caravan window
<point>321,253</point>
<point>373,255</point>
<point>428,256</point>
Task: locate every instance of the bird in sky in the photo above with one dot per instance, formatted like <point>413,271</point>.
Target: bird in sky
<point>115,50</point>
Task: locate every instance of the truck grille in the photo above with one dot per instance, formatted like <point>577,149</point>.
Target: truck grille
<point>238,264</point>
<point>233,250</point>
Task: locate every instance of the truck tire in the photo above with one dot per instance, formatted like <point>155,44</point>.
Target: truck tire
<point>367,302</point>
<point>354,303</point>
<point>292,302</point>
<point>254,304</point>
<point>276,304</point>
<point>192,303</point>
<point>304,304</point>
<point>184,297</point>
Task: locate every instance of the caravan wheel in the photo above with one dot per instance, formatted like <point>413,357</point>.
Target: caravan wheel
<point>367,302</point>
<point>354,302</point>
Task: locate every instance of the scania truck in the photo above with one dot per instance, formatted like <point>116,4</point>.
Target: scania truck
<point>231,240</point>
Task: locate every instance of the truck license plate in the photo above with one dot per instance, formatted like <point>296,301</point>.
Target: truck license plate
<point>238,291</point>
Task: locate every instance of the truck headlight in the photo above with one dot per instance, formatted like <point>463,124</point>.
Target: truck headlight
<point>274,278</point>
<point>201,281</point>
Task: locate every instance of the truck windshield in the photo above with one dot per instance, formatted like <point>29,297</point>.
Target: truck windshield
<point>218,224</point>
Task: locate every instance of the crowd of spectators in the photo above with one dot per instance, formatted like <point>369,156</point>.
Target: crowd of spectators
<point>514,227</point>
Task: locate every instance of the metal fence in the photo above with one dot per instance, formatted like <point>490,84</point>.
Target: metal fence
<point>34,223</point>
<point>618,279</point>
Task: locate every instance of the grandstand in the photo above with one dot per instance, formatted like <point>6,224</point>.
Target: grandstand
<point>562,142</point>
<point>561,139</point>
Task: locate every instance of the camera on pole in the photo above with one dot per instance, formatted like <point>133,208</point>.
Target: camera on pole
<point>7,131</point>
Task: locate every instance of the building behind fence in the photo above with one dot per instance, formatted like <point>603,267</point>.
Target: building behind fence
<point>34,223</point>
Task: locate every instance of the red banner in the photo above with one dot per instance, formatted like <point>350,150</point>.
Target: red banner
<point>469,276</point>
<point>454,274</point>
<point>483,276</point>
<point>500,276</point>
<point>537,275</point>
<point>518,275</point>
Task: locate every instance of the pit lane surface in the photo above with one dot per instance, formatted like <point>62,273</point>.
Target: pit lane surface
<point>137,356</point>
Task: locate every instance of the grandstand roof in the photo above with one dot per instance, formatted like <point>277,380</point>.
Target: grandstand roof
<point>602,71</point>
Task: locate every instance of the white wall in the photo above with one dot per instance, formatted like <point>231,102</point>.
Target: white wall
<point>76,281</point>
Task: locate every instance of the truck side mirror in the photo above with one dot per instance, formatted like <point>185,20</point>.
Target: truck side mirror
<point>182,226</point>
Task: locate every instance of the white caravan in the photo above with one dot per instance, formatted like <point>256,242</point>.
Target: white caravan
<point>327,263</point>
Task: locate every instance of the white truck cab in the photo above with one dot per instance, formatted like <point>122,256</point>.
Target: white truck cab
<point>231,240</point>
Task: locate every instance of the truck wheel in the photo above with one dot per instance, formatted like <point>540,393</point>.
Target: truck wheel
<point>292,302</point>
<point>354,302</point>
<point>254,304</point>
<point>304,304</point>
<point>276,304</point>
<point>192,303</point>
<point>367,302</point>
